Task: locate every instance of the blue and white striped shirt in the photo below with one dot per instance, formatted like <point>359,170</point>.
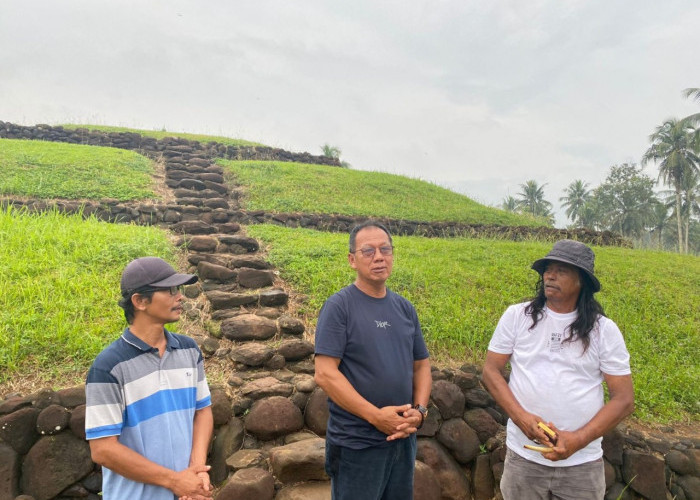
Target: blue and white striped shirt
<point>149,402</point>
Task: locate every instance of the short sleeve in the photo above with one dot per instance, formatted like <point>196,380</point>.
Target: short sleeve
<point>203,394</point>
<point>503,338</point>
<point>104,410</point>
<point>331,329</point>
<point>420,350</point>
<point>614,357</point>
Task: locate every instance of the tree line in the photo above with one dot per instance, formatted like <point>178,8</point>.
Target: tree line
<point>626,201</point>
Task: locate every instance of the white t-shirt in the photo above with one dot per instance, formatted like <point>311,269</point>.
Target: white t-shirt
<point>555,379</point>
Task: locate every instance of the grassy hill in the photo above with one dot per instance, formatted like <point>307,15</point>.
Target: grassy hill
<point>57,170</point>
<point>58,305</point>
<point>298,187</point>
<point>160,134</point>
<point>58,302</point>
<point>460,288</point>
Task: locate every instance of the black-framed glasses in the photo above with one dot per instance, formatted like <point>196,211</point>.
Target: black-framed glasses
<point>172,290</point>
<point>370,251</point>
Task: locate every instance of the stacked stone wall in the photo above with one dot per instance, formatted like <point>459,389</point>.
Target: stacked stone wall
<point>152,146</point>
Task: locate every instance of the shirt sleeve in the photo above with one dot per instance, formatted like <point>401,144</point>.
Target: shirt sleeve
<point>420,351</point>
<point>104,410</point>
<point>203,394</point>
<point>503,339</point>
<point>614,357</point>
<point>331,329</point>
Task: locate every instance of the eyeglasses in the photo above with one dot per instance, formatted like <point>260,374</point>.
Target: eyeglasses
<point>172,290</point>
<point>369,252</point>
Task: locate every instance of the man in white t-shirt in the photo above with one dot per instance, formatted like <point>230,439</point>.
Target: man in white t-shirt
<point>561,347</point>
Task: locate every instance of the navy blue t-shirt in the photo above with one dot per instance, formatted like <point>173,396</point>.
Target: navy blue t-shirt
<point>377,341</point>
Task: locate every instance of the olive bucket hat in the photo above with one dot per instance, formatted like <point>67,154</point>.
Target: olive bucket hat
<point>571,252</point>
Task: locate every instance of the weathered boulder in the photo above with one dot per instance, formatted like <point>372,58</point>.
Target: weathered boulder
<point>249,244</point>
<point>273,298</point>
<point>460,439</point>
<point>431,423</point>
<point>612,445</point>
<point>425,483</point>
<point>244,459</point>
<point>448,398</point>
<point>214,272</point>
<point>77,421</point>
<point>453,482</point>
<point>295,349</point>
<point>679,462</point>
<point>478,398</point>
<point>318,490</point>
<point>266,387</point>
<point>483,423</point>
<point>251,353</point>
<point>202,244</point>
<point>645,474</point>
<point>291,325</point>
<point>300,461</point>
<point>18,429</point>
<point>250,262</point>
<point>273,417</point>
<point>255,278</point>
<point>52,419</point>
<point>9,472</point>
<point>304,382</point>
<point>690,486</point>
<point>220,406</point>
<point>53,464</point>
<point>72,396</point>
<point>482,478</point>
<point>227,440</point>
<point>248,484</point>
<point>248,327</point>
<point>316,412</point>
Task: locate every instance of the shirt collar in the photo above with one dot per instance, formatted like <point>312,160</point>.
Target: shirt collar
<point>172,342</point>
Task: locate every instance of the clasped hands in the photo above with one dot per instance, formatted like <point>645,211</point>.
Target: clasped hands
<point>193,483</point>
<point>397,422</point>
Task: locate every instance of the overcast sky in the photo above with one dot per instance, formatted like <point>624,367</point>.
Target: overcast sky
<point>477,96</point>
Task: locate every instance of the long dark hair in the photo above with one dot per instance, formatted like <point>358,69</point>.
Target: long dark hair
<point>587,307</point>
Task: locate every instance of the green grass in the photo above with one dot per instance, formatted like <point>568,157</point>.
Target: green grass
<point>56,170</point>
<point>60,286</point>
<point>460,288</point>
<point>160,134</point>
<point>297,187</point>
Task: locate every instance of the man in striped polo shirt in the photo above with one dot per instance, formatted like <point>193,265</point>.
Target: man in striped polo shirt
<point>148,416</point>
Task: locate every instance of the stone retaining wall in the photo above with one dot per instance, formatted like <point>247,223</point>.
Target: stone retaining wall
<point>150,146</point>
<point>269,439</point>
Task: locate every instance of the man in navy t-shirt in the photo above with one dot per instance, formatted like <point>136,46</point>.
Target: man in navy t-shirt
<point>372,362</point>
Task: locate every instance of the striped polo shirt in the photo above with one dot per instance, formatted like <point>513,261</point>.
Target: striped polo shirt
<point>148,401</point>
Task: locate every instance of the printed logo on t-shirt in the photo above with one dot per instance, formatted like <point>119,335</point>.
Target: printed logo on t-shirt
<point>382,324</point>
<point>554,343</point>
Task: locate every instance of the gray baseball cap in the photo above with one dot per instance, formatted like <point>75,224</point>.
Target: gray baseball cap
<point>152,272</point>
<point>574,253</point>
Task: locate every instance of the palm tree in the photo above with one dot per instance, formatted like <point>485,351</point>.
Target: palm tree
<point>659,220</point>
<point>509,204</point>
<point>331,151</point>
<point>531,200</point>
<point>575,198</point>
<point>692,93</point>
<point>674,147</point>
